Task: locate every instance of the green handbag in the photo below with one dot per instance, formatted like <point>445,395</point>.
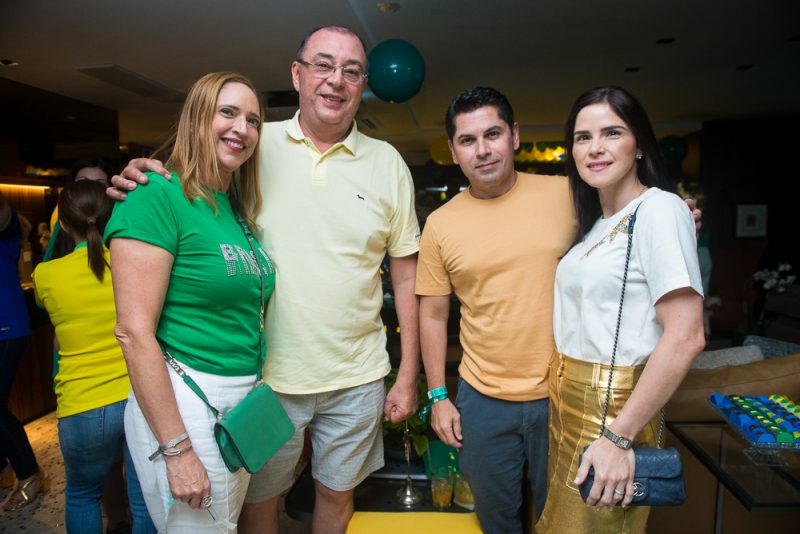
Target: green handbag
<point>256,428</point>
<point>245,443</point>
<point>252,431</point>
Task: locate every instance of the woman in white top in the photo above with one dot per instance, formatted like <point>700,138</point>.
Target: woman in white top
<point>614,167</point>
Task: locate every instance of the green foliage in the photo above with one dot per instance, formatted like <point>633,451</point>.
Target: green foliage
<point>417,428</point>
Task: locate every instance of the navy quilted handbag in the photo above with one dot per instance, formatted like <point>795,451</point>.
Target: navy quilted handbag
<point>658,480</point>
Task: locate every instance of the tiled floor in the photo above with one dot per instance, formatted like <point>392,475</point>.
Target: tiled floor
<point>46,515</point>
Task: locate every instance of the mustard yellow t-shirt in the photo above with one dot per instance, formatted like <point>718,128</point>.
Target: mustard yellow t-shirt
<point>92,370</point>
<point>499,256</point>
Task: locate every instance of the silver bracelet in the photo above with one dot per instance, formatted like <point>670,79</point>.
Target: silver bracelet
<point>168,445</point>
<point>175,451</point>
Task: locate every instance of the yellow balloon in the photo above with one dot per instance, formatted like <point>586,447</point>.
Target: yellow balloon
<point>440,151</point>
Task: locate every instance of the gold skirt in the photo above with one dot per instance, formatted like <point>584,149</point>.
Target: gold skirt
<point>577,395</point>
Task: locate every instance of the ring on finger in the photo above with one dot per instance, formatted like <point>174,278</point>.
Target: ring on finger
<point>618,491</point>
<point>206,502</point>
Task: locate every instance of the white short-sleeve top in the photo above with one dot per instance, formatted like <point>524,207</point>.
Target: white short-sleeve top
<point>589,280</point>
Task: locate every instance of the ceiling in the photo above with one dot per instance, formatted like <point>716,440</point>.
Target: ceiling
<point>540,53</point>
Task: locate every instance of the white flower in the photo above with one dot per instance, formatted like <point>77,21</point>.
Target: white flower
<point>776,279</point>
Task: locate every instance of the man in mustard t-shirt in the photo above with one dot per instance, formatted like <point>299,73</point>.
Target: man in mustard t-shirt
<point>496,245</point>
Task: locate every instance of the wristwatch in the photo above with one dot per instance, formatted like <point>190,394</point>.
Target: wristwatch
<point>619,441</point>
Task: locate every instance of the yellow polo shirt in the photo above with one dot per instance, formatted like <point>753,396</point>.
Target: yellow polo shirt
<point>328,220</point>
<point>92,370</point>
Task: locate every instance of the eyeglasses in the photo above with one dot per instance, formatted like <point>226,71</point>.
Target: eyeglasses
<point>351,74</point>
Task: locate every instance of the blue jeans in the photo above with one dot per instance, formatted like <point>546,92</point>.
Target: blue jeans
<point>90,442</point>
<point>499,437</point>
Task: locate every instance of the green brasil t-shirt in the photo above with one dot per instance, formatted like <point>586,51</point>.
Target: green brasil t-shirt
<point>210,317</point>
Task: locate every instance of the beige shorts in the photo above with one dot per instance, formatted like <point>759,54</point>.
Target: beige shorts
<point>346,437</point>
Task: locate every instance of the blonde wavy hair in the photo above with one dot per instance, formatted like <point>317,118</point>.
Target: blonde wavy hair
<point>193,154</point>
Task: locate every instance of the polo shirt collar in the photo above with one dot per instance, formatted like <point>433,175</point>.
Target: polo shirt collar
<point>350,143</point>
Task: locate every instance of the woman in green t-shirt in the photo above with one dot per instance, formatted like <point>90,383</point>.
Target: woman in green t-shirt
<point>188,281</point>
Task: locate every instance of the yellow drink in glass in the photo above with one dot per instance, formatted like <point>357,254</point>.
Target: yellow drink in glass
<point>442,488</point>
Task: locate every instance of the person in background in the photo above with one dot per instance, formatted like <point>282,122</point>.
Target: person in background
<point>16,455</point>
<point>59,244</point>
<point>191,281</point>
<point>92,382</point>
<point>93,169</point>
<point>618,183</point>
<point>43,231</point>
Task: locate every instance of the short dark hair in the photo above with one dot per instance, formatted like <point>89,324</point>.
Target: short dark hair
<point>337,28</point>
<point>475,98</point>
<point>650,169</point>
<point>83,163</point>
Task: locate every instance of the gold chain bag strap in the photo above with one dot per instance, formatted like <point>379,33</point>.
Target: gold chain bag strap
<point>658,477</point>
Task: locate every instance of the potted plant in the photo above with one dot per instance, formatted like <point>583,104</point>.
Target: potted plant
<point>417,428</point>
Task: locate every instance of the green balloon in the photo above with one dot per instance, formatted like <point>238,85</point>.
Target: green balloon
<point>396,71</point>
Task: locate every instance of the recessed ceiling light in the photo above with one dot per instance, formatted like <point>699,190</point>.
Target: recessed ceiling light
<point>666,40</point>
<point>9,63</point>
<point>744,67</point>
<point>631,69</point>
<point>388,7</point>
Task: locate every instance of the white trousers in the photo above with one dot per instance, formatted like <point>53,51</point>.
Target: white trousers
<point>227,489</point>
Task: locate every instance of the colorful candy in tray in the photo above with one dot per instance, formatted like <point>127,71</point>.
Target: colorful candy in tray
<point>766,421</point>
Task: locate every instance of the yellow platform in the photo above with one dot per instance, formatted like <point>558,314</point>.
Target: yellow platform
<point>413,522</point>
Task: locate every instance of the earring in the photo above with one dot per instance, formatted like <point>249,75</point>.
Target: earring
<point>638,156</point>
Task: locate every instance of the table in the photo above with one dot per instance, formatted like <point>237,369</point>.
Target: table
<point>732,461</point>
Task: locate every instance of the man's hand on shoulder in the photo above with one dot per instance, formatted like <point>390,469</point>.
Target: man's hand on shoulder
<point>134,174</point>
<point>696,213</point>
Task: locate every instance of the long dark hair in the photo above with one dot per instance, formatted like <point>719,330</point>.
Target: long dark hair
<point>84,209</point>
<point>650,168</point>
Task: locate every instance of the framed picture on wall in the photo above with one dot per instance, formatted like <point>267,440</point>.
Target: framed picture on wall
<point>751,220</point>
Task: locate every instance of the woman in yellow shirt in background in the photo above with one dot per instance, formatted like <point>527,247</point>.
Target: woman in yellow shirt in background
<point>92,383</point>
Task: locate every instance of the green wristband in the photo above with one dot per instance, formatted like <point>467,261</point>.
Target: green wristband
<point>438,392</point>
